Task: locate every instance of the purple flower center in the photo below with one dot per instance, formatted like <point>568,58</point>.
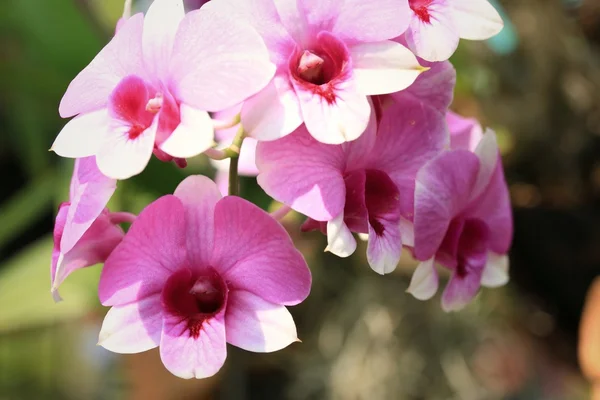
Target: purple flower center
<point>465,246</point>
<point>421,9</point>
<point>322,67</point>
<point>371,196</point>
<point>135,103</point>
<point>194,297</point>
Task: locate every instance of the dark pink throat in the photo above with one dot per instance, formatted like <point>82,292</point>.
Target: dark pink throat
<point>322,67</point>
<point>135,103</point>
<point>465,246</point>
<point>421,9</point>
<point>194,297</point>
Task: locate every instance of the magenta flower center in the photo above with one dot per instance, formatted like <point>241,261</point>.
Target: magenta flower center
<point>465,246</point>
<point>321,67</point>
<point>135,103</point>
<point>194,297</point>
<point>421,9</point>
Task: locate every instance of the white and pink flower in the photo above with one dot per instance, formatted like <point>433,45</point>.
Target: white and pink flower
<point>150,89</point>
<point>330,56</point>
<point>197,271</point>
<point>462,221</point>
<point>437,25</point>
<point>85,232</point>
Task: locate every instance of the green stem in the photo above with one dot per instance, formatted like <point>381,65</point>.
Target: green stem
<point>234,154</point>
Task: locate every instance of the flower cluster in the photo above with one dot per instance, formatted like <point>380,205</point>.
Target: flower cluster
<point>341,107</point>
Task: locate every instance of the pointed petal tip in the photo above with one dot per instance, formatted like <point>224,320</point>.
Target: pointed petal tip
<point>55,295</point>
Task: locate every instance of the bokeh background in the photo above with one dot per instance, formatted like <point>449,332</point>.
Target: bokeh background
<point>537,84</point>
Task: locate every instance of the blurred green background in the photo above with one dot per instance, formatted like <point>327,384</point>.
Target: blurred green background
<point>537,84</point>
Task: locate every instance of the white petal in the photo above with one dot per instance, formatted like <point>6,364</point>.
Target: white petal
<point>272,113</point>
<point>383,67</point>
<point>435,40</point>
<point>160,26</point>
<point>121,157</point>
<point>340,240</point>
<point>254,324</point>
<point>83,135</point>
<point>132,328</point>
<point>495,272</point>
<point>476,19</point>
<point>407,232</point>
<point>487,152</point>
<point>193,135</point>
<point>424,282</point>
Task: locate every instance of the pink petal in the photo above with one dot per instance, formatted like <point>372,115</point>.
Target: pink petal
<point>409,135</point>
<point>199,196</point>
<point>303,173</point>
<point>160,26</point>
<point>92,248</point>
<point>436,39</point>
<point>218,61</point>
<point>493,207</point>
<point>153,248</point>
<point>121,157</point>
<point>433,88</point>
<point>476,19</point>
<point>343,120</point>
<point>340,240</point>
<point>188,357</point>
<point>383,67</point>
<point>59,226</point>
<point>193,135</point>
<point>460,291</point>
<point>253,252</point>
<point>132,328</point>
<point>424,282</point>
<point>443,188</point>
<point>465,133</point>
<point>264,16</point>
<point>122,56</point>
<point>274,112</point>
<point>90,192</point>
<point>370,21</point>
<point>83,136</point>
<point>489,157</point>
<point>254,324</point>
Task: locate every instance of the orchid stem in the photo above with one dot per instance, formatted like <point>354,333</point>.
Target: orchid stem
<point>281,212</point>
<point>127,9</point>
<point>234,184</point>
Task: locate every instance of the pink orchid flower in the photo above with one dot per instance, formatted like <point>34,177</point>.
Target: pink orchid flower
<point>465,133</point>
<point>246,162</point>
<point>192,275</point>
<point>85,232</point>
<point>330,55</point>
<point>462,221</point>
<point>150,88</point>
<point>437,25</point>
<point>365,186</point>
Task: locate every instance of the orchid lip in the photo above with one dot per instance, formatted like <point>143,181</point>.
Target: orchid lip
<point>195,297</point>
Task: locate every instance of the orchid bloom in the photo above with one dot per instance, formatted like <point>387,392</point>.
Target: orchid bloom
<point>85,232</point>
<point>465,133</point>
<point>330,56</point>
<point>197,271</point>
<point>462,221</point>
<point>365,186</point>
<point>150,88</point>
<point>437,25</point>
